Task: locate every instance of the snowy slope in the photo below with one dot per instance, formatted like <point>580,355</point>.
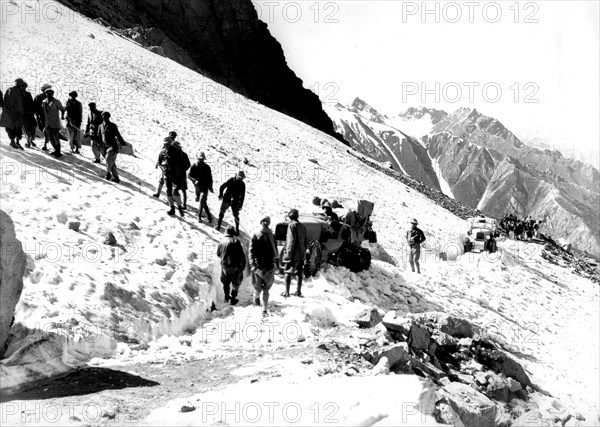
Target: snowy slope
<point>542,310</point>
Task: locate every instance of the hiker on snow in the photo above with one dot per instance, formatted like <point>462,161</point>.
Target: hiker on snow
<point>112,140</point>
<point>74,118</point>
<point>235,192</point>
<point>263,258</point>
<point>13,114</point>
<point>414,238</point>
<point>52,107</point>
<point>174,167</point>
<point>184,185</point>
<point>161,157</point>
<point>40,117</point>
<point>29,122</point>
<point>294,253</point>
<point>93,124</point>
<point>233,262</point>
<point>201,175</point>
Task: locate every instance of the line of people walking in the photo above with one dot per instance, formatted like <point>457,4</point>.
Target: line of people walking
<point>23,114</point>
<point>520,229</point>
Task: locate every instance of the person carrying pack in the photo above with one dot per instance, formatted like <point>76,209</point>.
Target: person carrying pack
<point>233,262</point>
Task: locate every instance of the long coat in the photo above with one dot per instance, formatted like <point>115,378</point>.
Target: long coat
<point>12,110</point>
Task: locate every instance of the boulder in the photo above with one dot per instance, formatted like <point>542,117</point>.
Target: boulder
<point>499,361</point>
<point>470,406</point>
<point>497,388</point>
<point>514,385</point>
<point>453,326</point>
<point>419,337</point>
<point>12,267</point>
<point>368,318</point>
<point>396,354</point>
<point>397,324</point>
<point>382,367</point>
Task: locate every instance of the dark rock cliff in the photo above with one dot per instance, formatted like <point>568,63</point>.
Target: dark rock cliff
<point>227,42</point>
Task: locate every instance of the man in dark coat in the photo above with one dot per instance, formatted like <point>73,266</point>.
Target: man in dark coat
<point>174,168</point>
<point>13,114</point>
<point>183,185</point>
<point>233,262</point>
<point>414,238</point>
<point>53,112</point>
<point>161,156</point>
<point>294,253</point>
<point>232,193</point>
<point>112,140</point>
<point>29,122</point>
<point>93,124</point>
<point>74,118</point>
<point>40,117</point>
<point>263,258</point>
<point>201,175</point>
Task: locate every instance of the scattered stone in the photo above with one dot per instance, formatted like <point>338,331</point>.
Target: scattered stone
<point>110,239</point>
<point>395,353</point>
<point>368,318</point>
<point>397,324</point>
<point>74,225</point>
<point>419,337</point>
<point>62,218</point>
<point>514,385</point>
<point>161,261</point>
<point>497,389</point>
<point>444,414</point>
<point>499,361</point>
<point>481,378</point>
<point>187,408</point>
<point>253,380</point>
<point>133,226</point>
<point>472,408</point>
<point>426,369</point>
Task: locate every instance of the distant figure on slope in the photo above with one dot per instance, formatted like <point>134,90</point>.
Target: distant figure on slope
<point>414,238</point>
<point>233,262</point>
<point>74,118</point>
<point>263,258</point>
<point>519,230</point>
<point>161,155</point>
<point>13,114</point>
<point>91,129</point>
<point>201,175</point>
<point>294,253</point>
<point>52,107</point>
<point>490,244</point>
<point>40,117</point>
<point>112,140</point>
<point>174,167</point>
<point>232,194</point>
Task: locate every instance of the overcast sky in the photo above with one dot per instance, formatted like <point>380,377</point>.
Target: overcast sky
<point>389,52</point>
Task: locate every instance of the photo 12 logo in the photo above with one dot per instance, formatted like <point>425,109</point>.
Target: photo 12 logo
<point>470,92</point>
<point>471,12</point>
<point>35,12</point>
<point>293,12</point>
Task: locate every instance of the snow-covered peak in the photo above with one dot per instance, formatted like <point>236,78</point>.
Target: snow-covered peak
<point>364,109</point>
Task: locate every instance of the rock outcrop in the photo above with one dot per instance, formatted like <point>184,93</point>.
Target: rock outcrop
<point>12,267</point>
<point>226,42</point>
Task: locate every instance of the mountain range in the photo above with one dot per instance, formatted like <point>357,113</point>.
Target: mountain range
<point>476,160</point>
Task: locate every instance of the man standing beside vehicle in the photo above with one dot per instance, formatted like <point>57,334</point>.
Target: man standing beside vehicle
<point>414,238</point>
<point>294,254</point>
<point>263,257</point>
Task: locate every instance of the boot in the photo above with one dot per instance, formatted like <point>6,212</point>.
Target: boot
<point>181,211</point>
<point>298,292</point>
<point>288,282</point>
<point>45,148</point>
<point>257,302</point>
<point>19,146</point>
<point>234,300</point>
<point>108,176</point>
<point>171,211</point>
<point>226,291</point>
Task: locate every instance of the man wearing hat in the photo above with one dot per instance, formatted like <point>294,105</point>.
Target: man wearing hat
<point>232,193</point>
<point>185,164</point>
<point>38,105</point>
<point>74,118</point>
<point>201,175</point>
<point>263,258</point>
<point>233,262</point>
<point>53,110</point>
<point>294,253</point>
<point>91,129</point>
<point>13,114</point>
<point>414,238</point>
<point>112,140</point>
